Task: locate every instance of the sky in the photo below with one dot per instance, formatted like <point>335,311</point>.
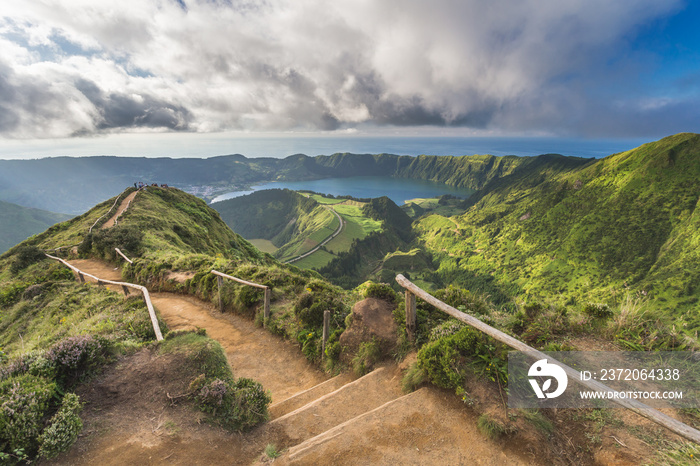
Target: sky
<point>148,77</point>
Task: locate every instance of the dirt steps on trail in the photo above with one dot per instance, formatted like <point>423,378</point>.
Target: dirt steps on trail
<point>349,401</point>
<point>314,419</point>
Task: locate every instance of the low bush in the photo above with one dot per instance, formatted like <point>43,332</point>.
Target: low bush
<point>317,298</point>
<point>75,357</point>
<point>447,360</point>
<point>25,256</point>
<point>598,311</point>
<point>63,428</point>
<point>370,289</point>
<point>444,360</point>
<point>366,357</point>
<point>236,404</point>
<point>25,400</point>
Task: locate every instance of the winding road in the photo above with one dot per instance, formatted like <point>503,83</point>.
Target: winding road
<point>337,232</point>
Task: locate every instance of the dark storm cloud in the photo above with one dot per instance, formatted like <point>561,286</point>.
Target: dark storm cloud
<point>118,110</point>
<point>214,65</point>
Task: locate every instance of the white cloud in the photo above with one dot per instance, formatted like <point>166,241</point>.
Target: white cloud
<point>305,64</point>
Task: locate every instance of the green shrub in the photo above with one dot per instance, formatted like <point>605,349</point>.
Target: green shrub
<point>12,293</point>
<point>25,400</point>
<point>317,298</point>
<point>444,360</point>
<point>75,357</point>
<point>310,344</point>
<point>598,311</point>
<point>63,428</point>
<point>366,357</point>
<point>25,256</point>
<point>370,289</point>
<point>333,348</point>
<point>271,451</point>
<point>34,363</point>
<point>127,238</point>
<point>237,405</point>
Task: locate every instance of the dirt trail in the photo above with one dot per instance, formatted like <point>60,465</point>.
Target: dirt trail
<point>128,420</point>
<point>122,207</point>
<point>252,351</point>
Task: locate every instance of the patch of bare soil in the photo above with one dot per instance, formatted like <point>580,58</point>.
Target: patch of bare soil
<point>371,319</point>
<point>129,419</point>
<point>252,351</point>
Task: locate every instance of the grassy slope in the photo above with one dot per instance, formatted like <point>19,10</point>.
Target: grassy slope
<point>628,221</point>
<point>19,223</point>
<point>296,223</point>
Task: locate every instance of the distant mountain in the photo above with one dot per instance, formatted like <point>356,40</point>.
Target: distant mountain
<point>19,223</point>
<point>73,185</point>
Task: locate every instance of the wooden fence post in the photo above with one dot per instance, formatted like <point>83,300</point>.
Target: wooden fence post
<point>266,306</point>
<point>410,314</point>
<point>81,278</point>
<point>220,282</point>
<point>326,328</point>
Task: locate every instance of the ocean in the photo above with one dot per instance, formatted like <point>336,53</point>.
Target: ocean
<point>178,145</point>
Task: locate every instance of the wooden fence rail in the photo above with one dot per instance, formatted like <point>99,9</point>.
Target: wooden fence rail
<point>122,254</point>
<point>640,408</point>
<point>125,287</point>
<point>220,281</point>
<point>105,214</point>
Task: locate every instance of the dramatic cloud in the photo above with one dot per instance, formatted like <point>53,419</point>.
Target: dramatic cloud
<point>565,67</point>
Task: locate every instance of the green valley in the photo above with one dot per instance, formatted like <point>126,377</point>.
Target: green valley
<point>295,224</point>
<point>18,223</point>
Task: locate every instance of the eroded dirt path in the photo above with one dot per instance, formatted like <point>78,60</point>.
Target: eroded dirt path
<point>122,207</point>
<point>129,420</point>
<point>252,351</point>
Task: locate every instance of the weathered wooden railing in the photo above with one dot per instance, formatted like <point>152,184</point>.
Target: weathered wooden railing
<point>116,220</point>
<point>220,281</point>
<point>105,214</point>
<point>122,254</point>
<point>640,408</point>
<point>125,288</point>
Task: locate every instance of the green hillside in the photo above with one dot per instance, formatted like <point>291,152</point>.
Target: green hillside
<point>296,223</point>
<point>293,223</point>
<point>19,223</point>
<point>626,223</point>
<point>56,333</point>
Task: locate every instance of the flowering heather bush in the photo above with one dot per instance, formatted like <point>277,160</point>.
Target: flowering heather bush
<point>75,356</point>
<point>63,428</point>
<point>34,363</point>
<point>238,404</point>
<point>25,400</point>
<point>213,393</point>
